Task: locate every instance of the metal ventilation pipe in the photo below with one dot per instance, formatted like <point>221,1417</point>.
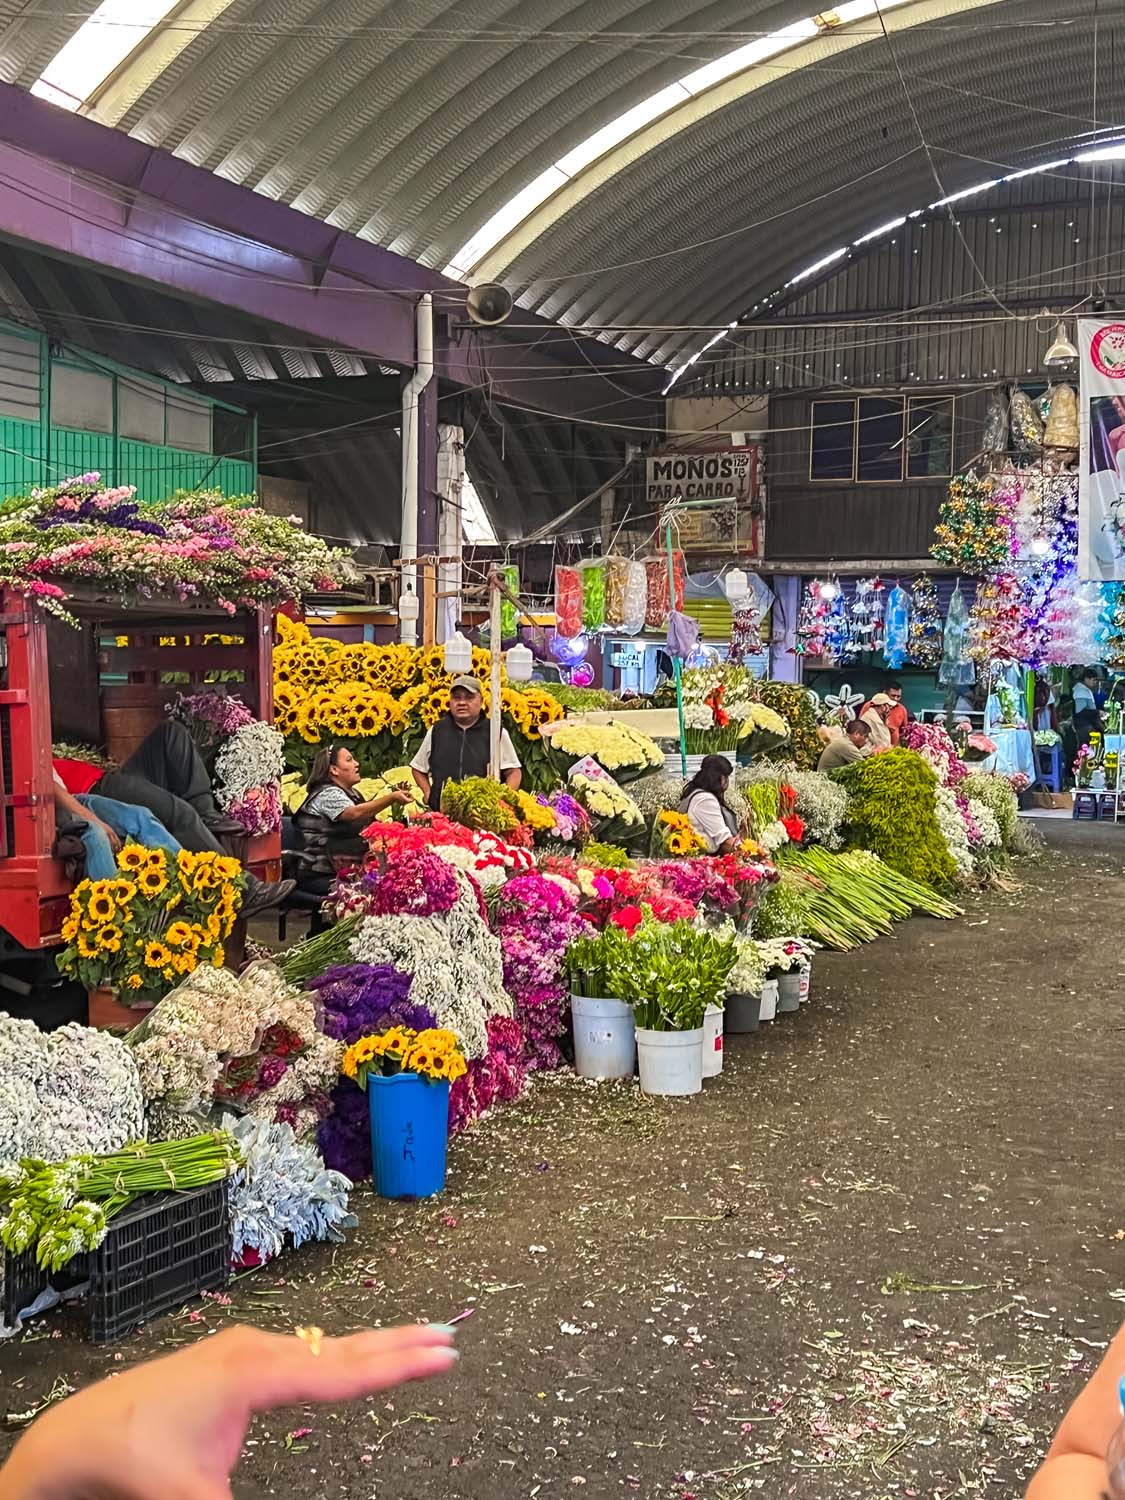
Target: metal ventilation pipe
<point>412,391</point>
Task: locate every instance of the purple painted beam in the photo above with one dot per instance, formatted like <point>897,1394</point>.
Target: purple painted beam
<point>93,194</point>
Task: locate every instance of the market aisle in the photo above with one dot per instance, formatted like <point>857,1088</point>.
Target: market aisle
<point>721,1296</point>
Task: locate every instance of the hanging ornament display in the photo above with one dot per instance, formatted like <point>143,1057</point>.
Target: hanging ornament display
<point>1113,648</point>
<point>658,605</point>
<point>863,615</point>
<point>745,632</point>
<point>839,643</point>
<point>925,646</point>
<point>1026,425</point>
<point>843,705</point>
<point>1046,543</point>
<point>1061,430</point>
<point>592,575</point>
<point>616,581</point>
<point>957,668</point>
<point>896,639</point>
<point>994,439</point>
<point>973,532</point>
<point>812,619</point>
<point>996,621</point>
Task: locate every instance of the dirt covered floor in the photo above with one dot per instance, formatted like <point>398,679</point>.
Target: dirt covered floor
<point>876,1258</point>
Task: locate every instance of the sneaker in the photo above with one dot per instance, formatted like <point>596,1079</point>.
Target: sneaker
<point>262,896</point>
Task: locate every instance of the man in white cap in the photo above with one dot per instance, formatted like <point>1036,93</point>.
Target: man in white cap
<point>458,745</point>
<point>875,717</point>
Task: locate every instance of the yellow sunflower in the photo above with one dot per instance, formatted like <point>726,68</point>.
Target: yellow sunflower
<point>87,946</point>
<point>157,955</point>
<point>152,882</point>
<point>218,958</point>
<point>134,982</point>
<point>102,907</point>
<point>109,939</point>
<point>70,928</point>
<point>132,857</point>
<point>178,934</point>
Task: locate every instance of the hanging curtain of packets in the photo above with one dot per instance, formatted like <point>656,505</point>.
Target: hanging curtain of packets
<point>996,621</point>
<point>812,620</point>
<point>867,615</point>
<point>896,628</point>
<point>745,631</point>
<point>838,639</point>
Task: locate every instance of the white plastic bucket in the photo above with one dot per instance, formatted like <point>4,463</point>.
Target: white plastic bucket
<point>769,1000</point>
<point>789,992</point>
<point>670,1062</point>
<point>673,768</point>
<point>605,1038</point>
<point>806,982</point>
<point>713,1041</point>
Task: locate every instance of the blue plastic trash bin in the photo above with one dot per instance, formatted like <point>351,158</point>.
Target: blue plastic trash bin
<point>409,1131</point>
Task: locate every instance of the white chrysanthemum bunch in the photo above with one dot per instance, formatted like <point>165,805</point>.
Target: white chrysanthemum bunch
<point>282,1193</point>
<point>252,757</point>
<point>951,825</point>
<point>987,823</point>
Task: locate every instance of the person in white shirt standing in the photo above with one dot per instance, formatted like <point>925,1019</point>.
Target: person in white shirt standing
<point>704,801</point>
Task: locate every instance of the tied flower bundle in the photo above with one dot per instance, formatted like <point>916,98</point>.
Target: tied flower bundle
<point>248,778</point>
<point>535,919</point>
<point>623,752</point>
<point>359,1000</point>
<point>709,729</point>
<point>818,802</point>
<point>933,744</point>
<point>198,544</point>
<point>287,1076</point>
<point>210,717</point>
<point>282,1193</point>
<point>482,804</point>
<point>155,923</point>
<point>433,1055</point>
<point>615,817</point>
<point>673,835</point>
<point>456,963</point>
<point>726,885</point>
<point>497,1078</point>
<point>782,955</point>
<point>74,1090</point>
<point>572,821</point>
<point>748,973</point>
<point>64,1210</point>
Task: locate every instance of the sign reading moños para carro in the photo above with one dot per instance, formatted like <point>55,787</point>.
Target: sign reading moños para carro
<point>728,474</point>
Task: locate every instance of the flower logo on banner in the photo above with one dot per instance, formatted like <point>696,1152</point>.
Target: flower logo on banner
<point>843,705</point>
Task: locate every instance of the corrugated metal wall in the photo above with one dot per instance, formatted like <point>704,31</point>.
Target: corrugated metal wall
<point>832,521</point>
<point>39,451</point>
<point>935,301</point>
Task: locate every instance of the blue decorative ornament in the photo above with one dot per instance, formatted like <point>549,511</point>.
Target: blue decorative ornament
<point>896,633</point>
<point>569,653</point>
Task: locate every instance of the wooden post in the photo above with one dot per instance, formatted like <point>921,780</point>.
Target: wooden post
<point>495,707</point>
<point>429,602</point>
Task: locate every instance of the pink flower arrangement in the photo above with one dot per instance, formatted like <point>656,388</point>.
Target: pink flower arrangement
<point>535,918</point>
<point>932,743</point>
<point>497,1078</point>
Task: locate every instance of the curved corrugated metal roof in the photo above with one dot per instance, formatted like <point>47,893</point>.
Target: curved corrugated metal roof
<point>413,121</point>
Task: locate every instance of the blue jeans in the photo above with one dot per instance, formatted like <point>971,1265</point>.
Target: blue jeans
<point>136,824</point>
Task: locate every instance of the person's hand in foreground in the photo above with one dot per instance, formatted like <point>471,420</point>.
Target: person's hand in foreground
<point>1075,1466</point>
<point>173,1429</point>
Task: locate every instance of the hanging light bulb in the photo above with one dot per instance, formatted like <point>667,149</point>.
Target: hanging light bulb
<point>828,591</point>
<point>458,654</point>
<point>736,585</point>
<point>1040,546</point>
<point>1062,351</point>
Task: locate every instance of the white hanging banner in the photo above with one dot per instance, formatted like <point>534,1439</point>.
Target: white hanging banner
<point>1101,420</point>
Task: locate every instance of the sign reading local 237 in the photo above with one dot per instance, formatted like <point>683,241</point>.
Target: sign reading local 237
<point>729,474</point>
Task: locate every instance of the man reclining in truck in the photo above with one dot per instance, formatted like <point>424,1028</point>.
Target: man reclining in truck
<point>161,797</point>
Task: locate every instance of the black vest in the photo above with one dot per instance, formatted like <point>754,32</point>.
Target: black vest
<point>456,753</point>
<point>321,837</point>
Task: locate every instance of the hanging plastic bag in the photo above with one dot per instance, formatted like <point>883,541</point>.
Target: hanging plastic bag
<point>897,628</point>
<point>957,669</point>
<point>1062,422</point>
<point>995,436</point>
<point>509,614</point>
<point>568,602</point>
<point>593,594</point>
<point>616,582</point>
<point>636,598</point>
<point>659,604</point>
<point>1027,429</point>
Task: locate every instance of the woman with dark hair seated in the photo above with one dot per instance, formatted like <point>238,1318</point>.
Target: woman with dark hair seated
<point>332,815</point>
<point>704,801</point>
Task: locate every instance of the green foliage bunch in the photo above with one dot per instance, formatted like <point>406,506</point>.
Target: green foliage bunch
<point>891,811</point>
<point>793,703</point>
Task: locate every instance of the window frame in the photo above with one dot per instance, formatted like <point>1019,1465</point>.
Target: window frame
<point>908,400</point>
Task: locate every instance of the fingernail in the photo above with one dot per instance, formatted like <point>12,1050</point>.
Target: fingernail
<point>442,1328</point>
<point>453,1354</point>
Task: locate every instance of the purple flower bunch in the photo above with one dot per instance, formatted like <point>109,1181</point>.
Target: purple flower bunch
<point>358,1000</point>
<point>572,824</point>
<point>418,884</point>
<point>697,880</point>
<point>215,713</point>
<point>535,919</point>
<point>972,827</point>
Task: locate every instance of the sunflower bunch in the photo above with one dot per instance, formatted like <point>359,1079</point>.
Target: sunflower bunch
<point>674,835</point>
<point>432,1054</point>
<point>156,922</point>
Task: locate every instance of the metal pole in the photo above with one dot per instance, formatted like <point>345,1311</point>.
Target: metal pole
<point>676,668</point>
<point>495,707</point>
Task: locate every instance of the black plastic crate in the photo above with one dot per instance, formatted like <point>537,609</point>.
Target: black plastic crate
<point>159,1253</point>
